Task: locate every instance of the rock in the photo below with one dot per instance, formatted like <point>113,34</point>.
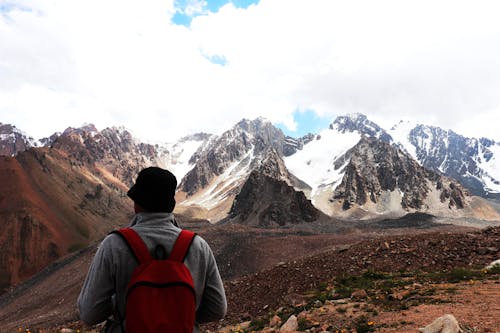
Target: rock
<point>275,321</point>
<point>400,295</point>
<point>359,294</point>
<point>338,301</point>
<point>445,324</point>
<point>318,304</point>
<point>245,325</point>
<point>291,325</point>
<point>493,264</point>
<point>66,330</point>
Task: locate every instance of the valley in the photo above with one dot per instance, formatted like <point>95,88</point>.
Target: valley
<point>285,217</point>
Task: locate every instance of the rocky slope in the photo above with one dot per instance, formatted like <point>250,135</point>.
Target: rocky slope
<point>299,272</point>
<point>268,198</point>
<point>377,171</point>
<point>114,150</point>
<point>292,145</point>
<point>58,199</point>
<point>224,165</point>
<point>13,141</point>
<point>471,161</point>
<point>255,295</point>
<point>240,145</point>
<point>50,207</point>
<point>359,123</point>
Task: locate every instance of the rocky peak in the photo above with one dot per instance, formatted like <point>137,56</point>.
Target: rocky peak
<point>455,155</point>
<point>292,145</point>
<point>113,148</point>
<point>83,130</point>
<point>47,142</point>
<point>272,165</point>
<point>268,198</point>
<point>246,140</point>
<point>360,123</point>
<point>196,137</point>
<point>376,166</point>
<point>13,140</point>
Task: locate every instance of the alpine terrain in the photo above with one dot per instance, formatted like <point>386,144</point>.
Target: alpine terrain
<point>286,217</point>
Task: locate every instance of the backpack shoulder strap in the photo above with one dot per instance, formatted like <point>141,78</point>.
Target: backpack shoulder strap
<point>181,246</point>
<point>135,243</point>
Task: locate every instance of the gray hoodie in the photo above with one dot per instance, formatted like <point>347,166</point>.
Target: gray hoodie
<point>104,290</point>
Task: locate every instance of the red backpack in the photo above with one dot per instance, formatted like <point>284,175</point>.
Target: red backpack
<point>160,294</point>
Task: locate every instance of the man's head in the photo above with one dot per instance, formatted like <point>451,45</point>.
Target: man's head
<point>154,190</point>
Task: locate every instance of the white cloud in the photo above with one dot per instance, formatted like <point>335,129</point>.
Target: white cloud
<point>125,63</point>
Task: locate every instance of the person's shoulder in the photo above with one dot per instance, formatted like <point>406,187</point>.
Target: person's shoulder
<point>112,240</point>
<point>200,243</point>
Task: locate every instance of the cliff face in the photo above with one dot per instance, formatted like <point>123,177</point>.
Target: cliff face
<point>245,141</point>
<point>113,149</point>
<point>375,167</point>
<point>13,141</point>
<point>468,160</point>
<point>265,201</point>
<point>268,197</point>
<point>50,207</point>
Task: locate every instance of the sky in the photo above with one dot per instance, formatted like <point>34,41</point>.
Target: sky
<point>167,68</point>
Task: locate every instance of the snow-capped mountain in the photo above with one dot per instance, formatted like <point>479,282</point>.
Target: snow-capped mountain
<point>472,161</point>
<point>323,163</point>
<point>13,140</point>
<point>326,166</point>
<point>183,155</point>
<point>359,123</point>
<point>267,198</point>
<point>383,179</point>
<point>226,162</point>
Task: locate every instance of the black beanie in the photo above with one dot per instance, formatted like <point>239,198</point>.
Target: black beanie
<point>154,190</point>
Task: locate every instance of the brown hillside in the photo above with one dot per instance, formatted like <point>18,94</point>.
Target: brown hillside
<point>48,208</point>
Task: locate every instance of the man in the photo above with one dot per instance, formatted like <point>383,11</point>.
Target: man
<point>103,294</point>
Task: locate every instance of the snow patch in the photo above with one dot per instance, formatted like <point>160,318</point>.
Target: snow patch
<point>491,168</point>
<point>233,176</point>
<point>401,134</point>
<point>181,154</point>
<point>10,136</point>
<point>315,163</point>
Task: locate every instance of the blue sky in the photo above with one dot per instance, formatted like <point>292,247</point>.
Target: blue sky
<point>182,17</point>
<point>306,122</point>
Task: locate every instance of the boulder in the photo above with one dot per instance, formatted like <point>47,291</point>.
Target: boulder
<point>275,321</point>
<point>493,264</point>
<point>359,294</point>
<point>291,325</point>
<point>445,324</point>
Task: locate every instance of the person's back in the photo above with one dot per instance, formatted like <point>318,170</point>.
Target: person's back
<point>104,291</point>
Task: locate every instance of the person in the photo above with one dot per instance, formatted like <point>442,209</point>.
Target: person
<point>103,294</point>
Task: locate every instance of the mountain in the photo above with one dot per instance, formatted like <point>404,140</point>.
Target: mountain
<point>388,179</point>
<point>224,165</point>
<point>61,198</point>
<point>184,153</point>
<point>358,122</point>
<point>50,207</point>
<point>13,140</point>
<point>268,198</point>
<point>114,151</point>
<point>65,196</point>
<point>471,161</point>
<point>292,145</point>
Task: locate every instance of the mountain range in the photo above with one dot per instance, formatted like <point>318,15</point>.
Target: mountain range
<point>65,192</point>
